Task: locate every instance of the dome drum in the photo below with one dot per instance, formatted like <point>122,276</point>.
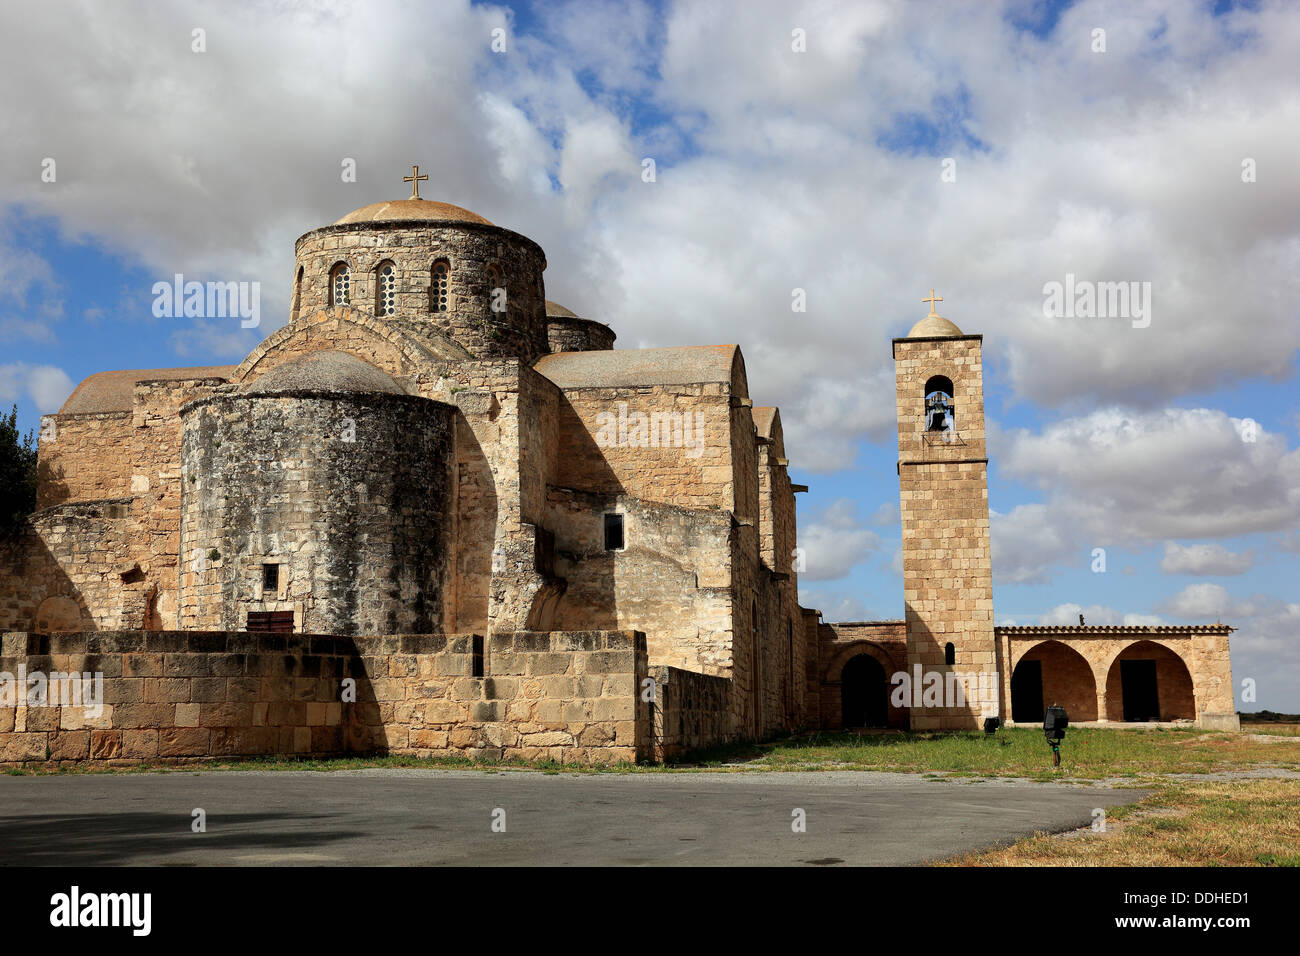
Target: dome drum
<point>429,267</point>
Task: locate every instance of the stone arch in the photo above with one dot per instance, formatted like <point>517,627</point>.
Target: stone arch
<point>58,614</point>
<point>348,329</point>
<point>1173,686</point>
<point>832,710</point>
<point>1066,678</point>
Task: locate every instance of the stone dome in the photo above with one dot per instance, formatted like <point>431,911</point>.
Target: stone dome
<point>933,326</point>
<point>324,371</point>
<point>412,210</point>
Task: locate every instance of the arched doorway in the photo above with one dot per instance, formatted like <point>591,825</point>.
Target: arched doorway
<point>1148,681</point>
<point>1052,673</point>
<point>864,697</point>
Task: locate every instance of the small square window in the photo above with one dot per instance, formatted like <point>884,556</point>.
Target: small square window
<point>270,578</point>
<point>613,532</point>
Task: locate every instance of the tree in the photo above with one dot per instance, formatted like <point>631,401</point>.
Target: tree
<point>17,473</point>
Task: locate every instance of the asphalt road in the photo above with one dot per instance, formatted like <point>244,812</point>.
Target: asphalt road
<point>431,817</point>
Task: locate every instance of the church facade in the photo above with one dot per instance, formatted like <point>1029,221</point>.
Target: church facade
<point>436,513</point>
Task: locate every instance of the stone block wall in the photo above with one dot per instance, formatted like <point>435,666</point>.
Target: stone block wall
<point>602,450</point>
<point>194,695</point>
<point>691,712</point>
<point>83,457</point>
<point>156,488</point>
<point>81,554</point>
<point>500,469</point>
<point>107,536</point>
<point>672,580</point>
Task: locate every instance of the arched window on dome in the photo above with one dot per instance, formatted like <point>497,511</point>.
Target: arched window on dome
<point>386,289</point>
<point>940,415</point>
<point>340,284</point>
<point>496,291</point>
<point>438,286</point>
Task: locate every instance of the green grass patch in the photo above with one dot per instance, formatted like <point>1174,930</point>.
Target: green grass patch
<point>1087,753</point>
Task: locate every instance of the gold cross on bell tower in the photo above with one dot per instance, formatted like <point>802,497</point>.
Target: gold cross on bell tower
<point>415,179</point>
<point>932,300</point>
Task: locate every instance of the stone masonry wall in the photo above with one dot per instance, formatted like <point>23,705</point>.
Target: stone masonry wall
<point>601,450</point>
<point>156,488</point>
<point>496,580</point>
<point>691,712</point>
<point>79,553</point>
<point>83,457</point>
<point>672,579</point>
<point>195,695</point>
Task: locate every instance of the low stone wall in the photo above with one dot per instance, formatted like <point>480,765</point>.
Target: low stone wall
<point>176,696</point>
<point>692,711</point>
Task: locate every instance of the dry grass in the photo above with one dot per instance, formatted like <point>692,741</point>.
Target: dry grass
<point>1270,727</point>
<point>1238,823</point>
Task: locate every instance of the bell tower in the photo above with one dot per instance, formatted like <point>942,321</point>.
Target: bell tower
<point>943,491</point>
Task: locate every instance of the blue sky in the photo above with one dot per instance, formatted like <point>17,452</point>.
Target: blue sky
<point>776,169</point>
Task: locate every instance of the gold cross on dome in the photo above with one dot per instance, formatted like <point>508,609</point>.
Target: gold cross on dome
<point>415,179</point>
<point>932,300</point>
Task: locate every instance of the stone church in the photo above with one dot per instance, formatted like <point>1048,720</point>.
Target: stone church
<point>436,513</point>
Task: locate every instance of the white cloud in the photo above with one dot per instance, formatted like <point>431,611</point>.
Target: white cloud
<point>838,606</point>
<point>1209,559</point>
<point>1121,475</point>
<point>834,541</point>
<point>47,386</point>
<point>215,340</point>
<point>1096,614</point>
<point>1265,647</point>
<point>1199,601</point>
<point>1027,543</point>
